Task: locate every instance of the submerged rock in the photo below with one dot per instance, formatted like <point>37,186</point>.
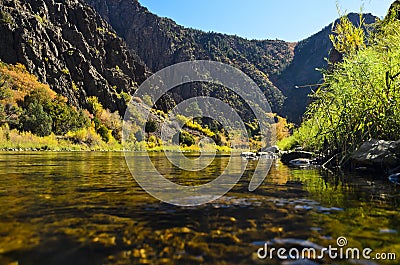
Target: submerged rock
<point>300,262</point>
<point>301,162</point>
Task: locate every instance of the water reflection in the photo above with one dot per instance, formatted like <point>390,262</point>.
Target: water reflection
<point>86,208</point>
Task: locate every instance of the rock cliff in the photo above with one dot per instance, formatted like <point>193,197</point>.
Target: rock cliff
<point>70,47</point>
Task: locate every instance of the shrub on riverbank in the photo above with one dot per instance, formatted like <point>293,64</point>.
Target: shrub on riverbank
<point>12,139</point>
<point>31,115</point>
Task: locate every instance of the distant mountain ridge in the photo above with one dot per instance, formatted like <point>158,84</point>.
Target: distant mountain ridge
<point>160,42</point>
<point>107,48</point>
<point>276,66</point>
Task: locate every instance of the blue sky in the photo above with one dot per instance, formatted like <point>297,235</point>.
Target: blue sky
<point>289,20</point>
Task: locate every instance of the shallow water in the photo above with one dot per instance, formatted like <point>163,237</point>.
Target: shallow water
<point>86,208</point>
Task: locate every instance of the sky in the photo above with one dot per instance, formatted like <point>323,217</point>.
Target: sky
<point>289,20</point>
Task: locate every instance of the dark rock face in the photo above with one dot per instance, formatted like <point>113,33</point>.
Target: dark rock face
<point>69,46</point>
<point>377,154</point>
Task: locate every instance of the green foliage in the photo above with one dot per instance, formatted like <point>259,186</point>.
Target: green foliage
<point>65,118</point>
<point>125,96</point>
<point>148,100</point>
<point>41,19</point>
<point>65,71</point>
<point>151,126</point>
<point>153,142</point>
<point>6,18</point>
<point>359,100</point>
<point>95,106</point>
<point>74,86</point>
<point>9,114</point>
<point>197,127</point>
<point>104,133</point>
<point>253,128</point>
<point>217,139</point>
<point>113,122</point>
<point>186,139</point>
<point>34,119</point>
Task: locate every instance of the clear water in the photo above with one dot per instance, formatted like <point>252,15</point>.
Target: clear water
<point>86,208</point>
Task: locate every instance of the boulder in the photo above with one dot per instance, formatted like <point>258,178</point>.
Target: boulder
<point>377,154</point>
<point>292,155</point>
<point>248,155</point>
<point>272,149</point>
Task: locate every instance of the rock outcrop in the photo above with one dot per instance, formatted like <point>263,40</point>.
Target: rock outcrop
<point>377,154</point>
<point>69,46</point>
<point>286,157</point>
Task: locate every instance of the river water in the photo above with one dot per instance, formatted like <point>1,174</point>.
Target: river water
<point>86,208</point>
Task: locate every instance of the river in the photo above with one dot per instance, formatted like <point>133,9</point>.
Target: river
<point>86,208</point>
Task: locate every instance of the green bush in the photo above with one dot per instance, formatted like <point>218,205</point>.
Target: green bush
<point>151,126</point>
<point>186,139</point>
<point>34,119</point>
<point>104,133</point>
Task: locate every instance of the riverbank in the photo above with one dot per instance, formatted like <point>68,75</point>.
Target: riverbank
<point>12,140</point>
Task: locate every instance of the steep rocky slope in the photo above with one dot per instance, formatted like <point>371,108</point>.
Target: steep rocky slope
<point>70,47</point>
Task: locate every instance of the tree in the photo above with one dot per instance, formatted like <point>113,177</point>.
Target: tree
<point>186,138</point>
<point>65,118</point>
<point>34,119</point>
<point>347,37</point>
<point>104,133</point>
<point>151,126</point>
<point>95,106</point>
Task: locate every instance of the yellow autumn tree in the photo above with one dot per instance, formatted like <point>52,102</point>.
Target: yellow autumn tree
<point>348,38</point>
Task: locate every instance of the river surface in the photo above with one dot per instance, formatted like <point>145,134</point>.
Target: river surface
<point>86,208</point>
